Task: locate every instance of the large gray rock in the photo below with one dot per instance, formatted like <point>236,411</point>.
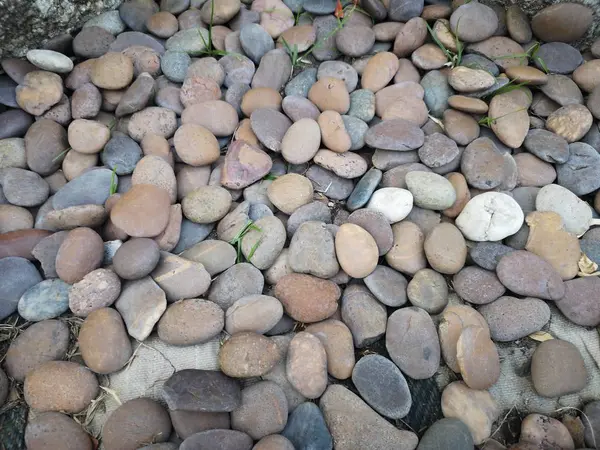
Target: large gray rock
<point>27,24</point>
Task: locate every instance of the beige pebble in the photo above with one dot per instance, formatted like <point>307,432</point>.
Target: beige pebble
<point>333,132</point>
<point>356,250</point>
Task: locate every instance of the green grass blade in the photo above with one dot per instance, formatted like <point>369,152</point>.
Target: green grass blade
<point>253,249</point>
<point>113,184</point>
<point>447,52</point>
<point>61,154</point>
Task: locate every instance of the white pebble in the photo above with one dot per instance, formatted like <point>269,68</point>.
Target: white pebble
<point>490,216</point>
<point>394,203</point>
<point>50,60</point>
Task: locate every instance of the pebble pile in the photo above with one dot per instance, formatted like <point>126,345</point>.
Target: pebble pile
<point>305,181</point>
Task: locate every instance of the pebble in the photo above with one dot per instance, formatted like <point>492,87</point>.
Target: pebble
<point>306,365</point>
<point>312,250</point>
<point>38,92</point>
<point>527,274</point>
<point>558,57</point>
<point>548,24</point>
<point>50,60</point>
<point>498,216</point>
<point>306,428</point>
<point>45,300</point>
<point>80,253</point>
<point>428,290</point>
<point>289,192</point>
<point>339,70</point>
<point>103,341</point>
<point>477,358</point>
<point>135,423</point>
<point>60,386</point>
<point>180,278</point>
<point>187,423</point>
<point>216,255</point>
<point>388,286</point>
<point>298,294</point>
<point>543,430</point>
<point>575,213</point>
<point>98,289</point>
<point>447,432</point>
<point>364,315</point>
<point>437,91</point>
<point>382,386</point>
<point>251,416</point>
<point>549,371</point>
<point>136,258</point>
<point>579,173</point>
<point>395,134</point>
<point>255,41</point>
<point>477,409</point>
<point>24,188</point>
<point>571,122</point>
<point>238,281</point>
<point>196,390</point>
<point>356,250</point>
<point>473,22</point>
<point>577,304</point>
<point>143,211</point>
<point>227,439</point>
<point>510,318</point>
<point>274,70</point>
<point>53,429</point>
<point>247,354</point>
<point>30,349</point>
<point>415,350</point>
<point>258,313</point>
<point>343,410</point>
<point>591,425</point>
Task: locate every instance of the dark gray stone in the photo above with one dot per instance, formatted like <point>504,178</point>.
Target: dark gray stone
<point>547,146</point>
<point>131,38</point>
<point>202,390</point>
<point>301,83</point>
<point>192,233</point>
<point>45,300</point>
<point>121,153</point>
<point>328,49</point>
<point>221,439</point>
<point>590,244</point>
<point>388,286</point>
<point>376,9</point>
<point>404,10</point>
<point>314,211</point>
<point>255,41</point>
<point>135,13</point>
<point>137,96</point>
<point>592,424</point>
<point>45,252</point>
<point>307,430</point>
<point>236,282</point>
<point>447,434</point>
<point>438,150</point>
<point>525,197</point>
<point>592,137</point>
<point>488,254</point>
<point>364,189</point>
<point>581,173</point>
<point>558,58</point>
<point>92,42</point>
<point>8,94</point>
<point>382,385</point>
<point>15,123</point>
<point>17,276</point>
<point>437,91</point>
<point>24,187</point>
<point>90,188</point>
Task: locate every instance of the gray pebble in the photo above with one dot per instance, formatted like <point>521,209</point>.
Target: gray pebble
<point>45,300</point>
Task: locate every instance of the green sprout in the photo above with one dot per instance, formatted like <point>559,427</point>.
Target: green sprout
<point>237,240</point>
<point>209,50</point>
<point>270,176</point>
<point>113,182</point>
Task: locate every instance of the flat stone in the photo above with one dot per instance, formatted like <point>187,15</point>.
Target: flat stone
<point>548,25</point>
<point>562,90</point>
<point>202,390</point>
<point>474,350</point>
<point>297,294</point>
<point>578,303</point>
<point>313,238</point>
<point>263,410</point>
<point>558,57</point>
<point>382,386</point>
<point>258,313</point>
<point>395,134</point>
<point>437,92</point>
<point>226,439</point>
<point>450,432</point>
<point>187,423</point>
<point>428,290</point>
<point>510,318</point>
<point>177,324</point>
<point>274,70</point>
<point>343,410</point>
<point>236,282</point>
<point>306,365</point>
<point>260,352</point>
<point>306,428</point>
<point>473,22</point>
<point>549,371</point>
<point>180,278</point>
<point>90,188</point>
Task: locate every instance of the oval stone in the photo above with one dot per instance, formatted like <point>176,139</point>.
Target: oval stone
<point>248,354</point>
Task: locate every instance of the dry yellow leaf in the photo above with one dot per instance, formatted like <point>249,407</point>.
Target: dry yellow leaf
<point>587,267</point>
<point>540,336</point>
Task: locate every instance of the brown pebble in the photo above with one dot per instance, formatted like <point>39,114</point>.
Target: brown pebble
<point>446,249</point>
<point>477,358</point>
<point>143,211</point>
<point>248,354</point>
<point>307,298</point>
<point>330,94</point>
<point>557,369</point>
<point>306,365</point>
<point>80,253</point>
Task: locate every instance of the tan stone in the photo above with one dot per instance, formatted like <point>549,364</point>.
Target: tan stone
<point>379,71</point>
<point>196,145</point>
<point>571,122</point>
<point>330,94</point>
<point>260,97</point>
<point>307,298</point>
<point>143,211</point>
<point>465,79</point>
<point>289,192</point>
<point>407,254</point>
<point>39,91</point>
<point>527,74</point>
<point>248,354</point>
<point>477,358</point>
<point>306,365</point>
<point>112,70</point>
<point>468,104</point>
<point>356,250</point>
<point>463,194</point>
<point>333,132</point>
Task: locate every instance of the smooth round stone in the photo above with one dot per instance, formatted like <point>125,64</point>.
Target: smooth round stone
<point>16,122</point>
<point>490,216</point>
<point>274,70</point>
<point>533,171</point>
<point>382,386</point>
<point>363,314</point>
<point>450,432</point>
<point>55,430</point>
<point>430,190</point>
<point>330,93</point>
<point>561,22</point>
<point>428,290</point>
<point>98,289</point>
<point>121,153</point>
<point>477,285</point>
<point>135,423</point>
<point>39,91</point>
<point>474,350</point>
<point>253,418</point>
<point>143,211</point>
<point>407,254</point>
<point>476,409</point>
<point>437,91</point>
<point>135,13</point>
<point>255,41</point>
<point>261,248</point>
<point>473,22</point>
<point>298,108</point>
<point>307,298</point>
<point>109,20</point>
<point>558,57</point>
<point>571,122</point>
<point>248,354</point>
<point>388,286</point>
<point>575,213</point>
<point>180,278</point>
<point>80,253</point>
<point>356,129</point>
<point>238,69</point>
<point>206,204</point>
<point>187,423</point>
<point>306,365</point>
<point>346,165</point>
<point>362,105</point>
<point>325,181</point>
<point>581,173</point>
<point>13,218</point>
<point>289,192</point>
<point>111,352</point>
<point>24,188</point>
<point>356,250</point>
<point>445,249</point>
<point>270,127</point>
<point>577,304</point>
<point>454,319</point>
<point>438,150</point>
<point>217,116</point>
<point>50,60</point>
<point>312,251</point>
<point>226,439</point>
<point>415,349</point>
<point>557,369</point>
<point>274,442</point>
<point>162,24</point>
<point>215,255</point>
<point>301,141</point>
<point>136,258</point>
<point>525,273</point>
<point>315,211</point>
<point>92,42</point>
<point>20,275</point>
<point>47,340</point>
<point>337,341</point>
<point>543,430</point>
<point>174,65</point>
<point>190,41</point>
<point>174,6</point>
<point>395,134</point>
<point>85,102</point>
<point>60,386</point>
<point>196,390</point>
<point>236,282</point>
<point>394,203</point>
<point>511,318</point>
<point>258,313</point>
<point>45,300</point>
<point>306,428</point>
<point>12,151</point>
